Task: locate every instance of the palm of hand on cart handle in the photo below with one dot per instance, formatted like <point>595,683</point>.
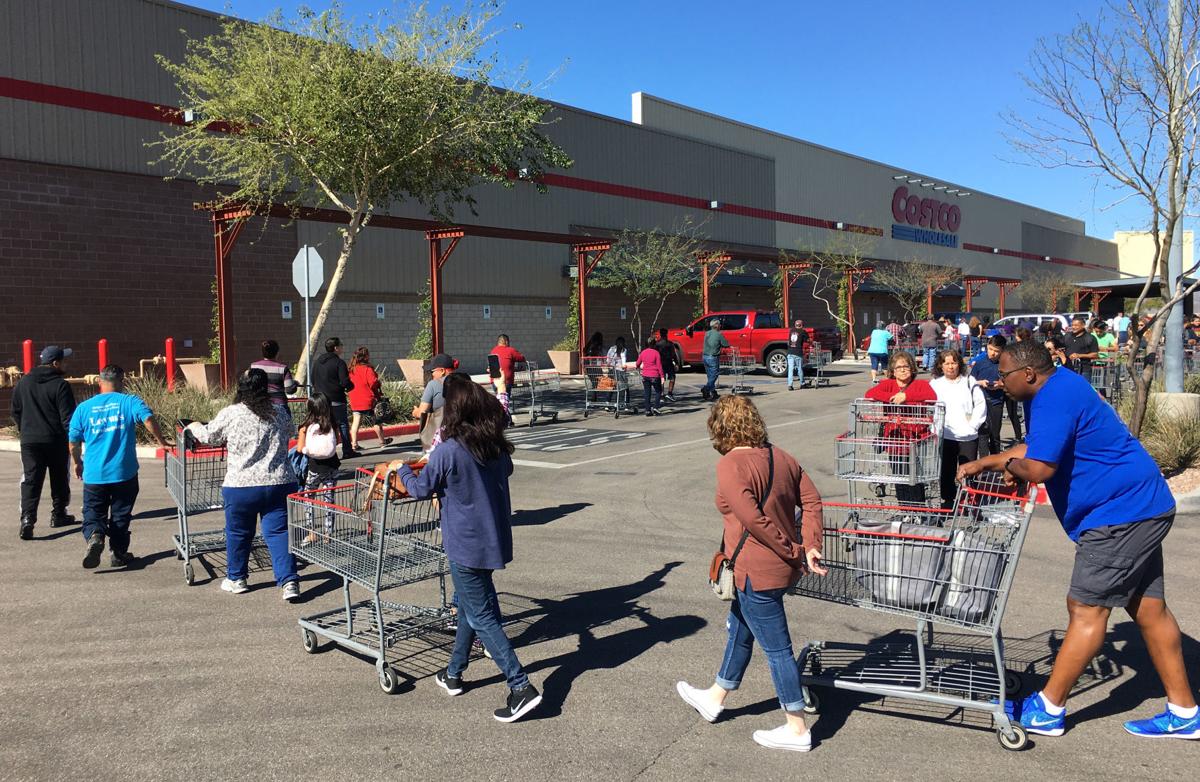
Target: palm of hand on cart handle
<point>899,398</point>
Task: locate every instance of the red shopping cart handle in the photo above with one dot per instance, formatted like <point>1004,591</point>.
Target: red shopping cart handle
<point>893,535</point>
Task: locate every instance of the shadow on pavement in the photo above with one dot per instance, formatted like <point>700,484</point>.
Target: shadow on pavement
<point>539,516</point>
<point>580,615</point>
<point>141,563</point>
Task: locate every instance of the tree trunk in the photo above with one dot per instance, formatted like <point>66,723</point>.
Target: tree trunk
<point>348,239</point>
<point>1143,381</point>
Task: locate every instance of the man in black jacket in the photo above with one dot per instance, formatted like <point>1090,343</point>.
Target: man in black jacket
<point>42,405</point>
<point>331,378</point>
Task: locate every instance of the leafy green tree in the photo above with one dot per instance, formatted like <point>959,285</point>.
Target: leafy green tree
<point>649,267</point>
<point>322,110</point>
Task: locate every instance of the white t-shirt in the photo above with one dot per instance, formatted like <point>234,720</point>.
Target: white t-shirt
<point>964,329</point>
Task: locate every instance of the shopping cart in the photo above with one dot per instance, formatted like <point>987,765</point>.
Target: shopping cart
<point>814,369</point>
<point>894,448</point>
<point>194,474</point>
<point>377,542</point>
<point>953,568</point>
<point>735,365</point>
<point>528,394</point>
<point>606,387</point>
<point>1105,377</point>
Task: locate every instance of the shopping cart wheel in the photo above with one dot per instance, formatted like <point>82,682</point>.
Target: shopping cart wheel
<point>310,640</point>
<point>389,680</point>
<point>1014,738</point>
<point>1013,683</point>
<point>189,577</point>
<point>812,702</point>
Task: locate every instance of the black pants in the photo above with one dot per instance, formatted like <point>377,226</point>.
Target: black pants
<point>36,460</point>
<point>652,392</point>
<point>955,453</point>
<point>989,435</point>
<point>341,419</point>
<point>108,509</point>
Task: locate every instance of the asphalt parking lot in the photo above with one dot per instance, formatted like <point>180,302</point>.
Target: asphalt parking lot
<point>134,675</point>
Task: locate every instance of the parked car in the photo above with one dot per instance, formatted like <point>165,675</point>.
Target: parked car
<point>754,333</point>
<point>1033,320</point>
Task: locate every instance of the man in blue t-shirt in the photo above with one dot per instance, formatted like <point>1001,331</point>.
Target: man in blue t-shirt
<point>104,447</point>
<point>1113,502</point>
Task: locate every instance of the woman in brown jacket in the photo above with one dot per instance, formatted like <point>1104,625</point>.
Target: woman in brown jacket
<point>759,488</point>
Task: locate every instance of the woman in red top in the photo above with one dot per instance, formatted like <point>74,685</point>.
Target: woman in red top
<point>508,357</point>
<point>902,387</point>
<point>362,398</point>
<point>649,361</point>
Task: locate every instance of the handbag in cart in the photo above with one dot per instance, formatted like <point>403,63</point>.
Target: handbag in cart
<point>975,565</point>
<point>720,571</point>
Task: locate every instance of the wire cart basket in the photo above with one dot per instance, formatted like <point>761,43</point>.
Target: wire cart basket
<point>733,364</point>
<point>376,542</point>
<point>896,449</point>
<point>952,568</point>
<point>606,387</point>
<point>815,362</point>
<point>528,394</point>
<point>194,474</point>
<point>1105,377</point>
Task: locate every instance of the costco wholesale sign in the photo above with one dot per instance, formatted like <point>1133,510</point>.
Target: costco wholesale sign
<point>924,220</point>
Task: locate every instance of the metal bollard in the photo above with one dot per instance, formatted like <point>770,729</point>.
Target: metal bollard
<point>102,352</point>
<point>169,352</point>
<point>27,355</point>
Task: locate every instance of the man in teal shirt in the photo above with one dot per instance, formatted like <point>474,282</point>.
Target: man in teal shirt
<point>877,350</point>
<point>103,440</point>
<point>714,341</point>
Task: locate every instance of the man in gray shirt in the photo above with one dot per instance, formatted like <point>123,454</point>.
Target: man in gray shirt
<point>714,341</point>
<point>429,412</point>
<point>929,337</point>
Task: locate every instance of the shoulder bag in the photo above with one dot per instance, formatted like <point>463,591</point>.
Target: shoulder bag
<point>720,571</point>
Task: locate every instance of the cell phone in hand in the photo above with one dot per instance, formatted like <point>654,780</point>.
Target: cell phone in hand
<point>493,365</point>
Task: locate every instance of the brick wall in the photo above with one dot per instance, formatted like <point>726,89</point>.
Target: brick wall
<point>88,254</point>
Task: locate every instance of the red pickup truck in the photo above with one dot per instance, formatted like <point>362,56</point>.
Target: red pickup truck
<point>758,334</point>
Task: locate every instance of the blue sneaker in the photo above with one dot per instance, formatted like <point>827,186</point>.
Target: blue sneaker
<point>1035,718</point>
<point>1166,726</point>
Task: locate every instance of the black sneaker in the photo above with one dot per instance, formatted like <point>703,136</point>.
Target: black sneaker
<point>451,684</point>
<point>520,703</point>
<point>95,548</point>
<point>27,530</point>
<point>122,559</point>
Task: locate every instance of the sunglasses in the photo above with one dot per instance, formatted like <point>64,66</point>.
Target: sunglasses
<point>1004,375</point>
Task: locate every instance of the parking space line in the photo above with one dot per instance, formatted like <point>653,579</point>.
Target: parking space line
<point>556,466</point>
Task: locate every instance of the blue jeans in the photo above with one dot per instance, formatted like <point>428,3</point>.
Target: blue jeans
<point>243,508</point>
<point>479,613</point>
<point>930,357</point>
<point>759,616</point>
<point>712,368</point>
<point>652,391</point>
<point>108,509</point>
<point>795,363</point>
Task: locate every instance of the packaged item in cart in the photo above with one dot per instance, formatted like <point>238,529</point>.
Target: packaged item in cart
<point>901,563</point>
<point>974,579</point>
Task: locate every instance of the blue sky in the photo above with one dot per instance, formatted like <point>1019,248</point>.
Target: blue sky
<point>916,84</point>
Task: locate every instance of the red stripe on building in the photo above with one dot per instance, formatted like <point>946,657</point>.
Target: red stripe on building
<point>127,107</point>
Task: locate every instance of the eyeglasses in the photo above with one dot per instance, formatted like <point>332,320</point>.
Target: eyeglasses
<point>1004,375</point>
<point>905,367</point>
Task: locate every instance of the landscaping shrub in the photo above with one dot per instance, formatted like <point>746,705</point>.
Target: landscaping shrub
<point>185,402</point>
<point>1172,441</point>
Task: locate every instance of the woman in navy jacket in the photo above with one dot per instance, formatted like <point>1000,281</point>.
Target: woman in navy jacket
<point>469,472</point>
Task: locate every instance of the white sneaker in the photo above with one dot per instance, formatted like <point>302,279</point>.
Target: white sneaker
<point>236,587</point>
<point>783,737</point>
<point>698,701</point>
<point>291,591</point>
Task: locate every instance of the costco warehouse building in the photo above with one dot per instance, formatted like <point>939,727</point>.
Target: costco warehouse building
<point>94,243</point>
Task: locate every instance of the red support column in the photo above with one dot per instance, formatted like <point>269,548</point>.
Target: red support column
<point>169,351</point>
<point>717,262</point>
<point>1078,296</point>
<point>1005,286</point>
<point>225,236</point>
<point>929,300</point>
<point>972,286</point>
<point>27,355</point>
<point>787,270</point>
<point>437,259</point>
<point>854,279</point>
<point>584,267</point>
<point>102,352</point>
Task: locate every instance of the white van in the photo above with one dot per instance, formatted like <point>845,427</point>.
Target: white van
<point>1037,319</point>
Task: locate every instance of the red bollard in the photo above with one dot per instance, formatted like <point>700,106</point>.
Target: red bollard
<point>102,351</point>
<point>27,355</point>
<point>169,350</point>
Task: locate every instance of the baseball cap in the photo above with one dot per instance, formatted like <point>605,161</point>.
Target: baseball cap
<point>52,353</point>
<point>442,361</point>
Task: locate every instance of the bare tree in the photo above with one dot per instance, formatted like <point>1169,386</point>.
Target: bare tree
<point>1107,103</point>
<point>910,283</point>
<point>1046,291</point>
<point>829,268</point>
